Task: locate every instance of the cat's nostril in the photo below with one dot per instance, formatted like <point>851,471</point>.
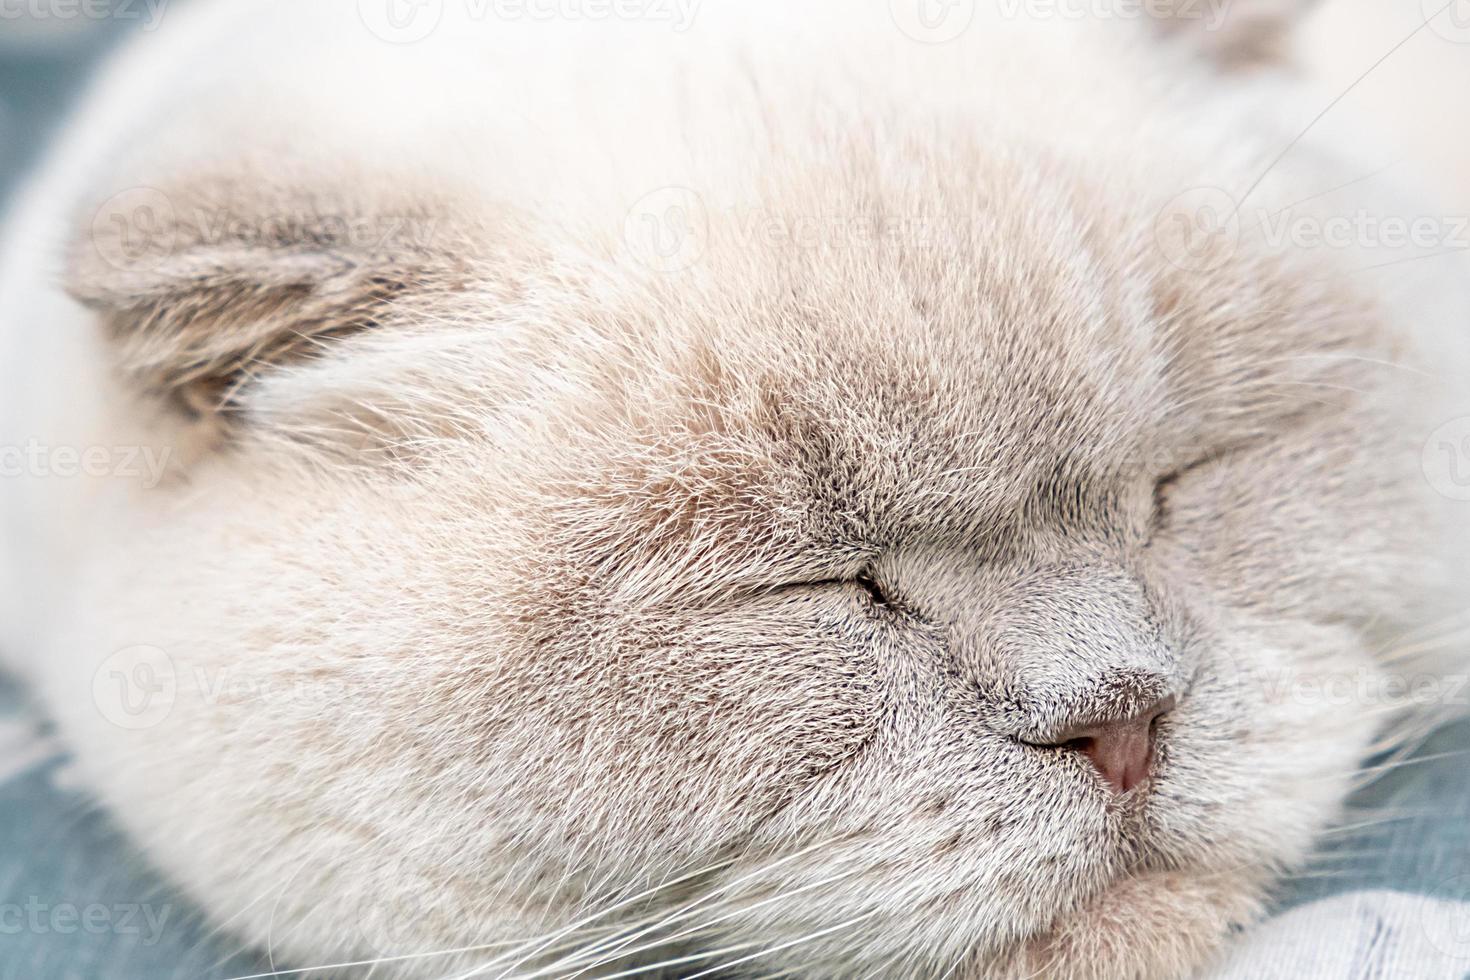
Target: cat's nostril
<point>1121,750</point>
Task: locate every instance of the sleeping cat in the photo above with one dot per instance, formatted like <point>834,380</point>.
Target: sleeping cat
<point>802,489</point>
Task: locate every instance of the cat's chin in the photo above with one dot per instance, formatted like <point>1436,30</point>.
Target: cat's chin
<point>1164,924</point>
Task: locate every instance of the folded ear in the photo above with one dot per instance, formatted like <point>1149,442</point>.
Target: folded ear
<point>1235,33</point>
<point>204,286</point>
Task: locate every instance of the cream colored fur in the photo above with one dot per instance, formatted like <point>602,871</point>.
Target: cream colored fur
<point>503,585</point>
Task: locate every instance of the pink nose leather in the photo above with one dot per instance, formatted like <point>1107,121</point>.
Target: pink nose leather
<point>1121,751</point>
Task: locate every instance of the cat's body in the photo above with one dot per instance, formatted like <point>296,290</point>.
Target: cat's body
<point>617,472</point>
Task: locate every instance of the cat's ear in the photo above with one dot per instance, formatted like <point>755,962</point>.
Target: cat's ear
<point>1234,33</point>
<point>203,288</point>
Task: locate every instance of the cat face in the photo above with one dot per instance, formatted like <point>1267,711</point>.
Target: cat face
<point>778,604</point>
<point>812,598</point>
<point>785,580</point>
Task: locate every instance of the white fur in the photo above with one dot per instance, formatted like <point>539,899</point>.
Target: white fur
<point>536,592</point>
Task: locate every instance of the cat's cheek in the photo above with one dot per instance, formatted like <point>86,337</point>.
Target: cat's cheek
<point>1262,749</point>
<point>722,719</point>
<point>1159,925</point>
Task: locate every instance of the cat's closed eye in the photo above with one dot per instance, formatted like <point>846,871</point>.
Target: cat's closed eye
<point>871,587</point>
<point>1163,486</point>
<point>1167,486</point>
<point>865,583</point>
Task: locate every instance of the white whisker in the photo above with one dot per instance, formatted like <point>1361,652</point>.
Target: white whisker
<point>780,946</point>
<point>736,913</point>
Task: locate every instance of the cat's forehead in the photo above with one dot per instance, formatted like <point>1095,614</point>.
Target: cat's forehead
<point>1022,347</point>
<point>954,301</point>
<point>856,411</point>
<point>1020,309</point>
<point>959,353</point>
<point>992,338</point>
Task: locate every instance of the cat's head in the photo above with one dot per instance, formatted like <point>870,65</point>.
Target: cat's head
<point>916,574</point>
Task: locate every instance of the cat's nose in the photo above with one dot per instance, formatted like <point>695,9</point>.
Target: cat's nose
<point>1122,751</point>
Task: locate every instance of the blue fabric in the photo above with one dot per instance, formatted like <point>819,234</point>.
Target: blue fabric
<point>77,902</point>
<point>1414,829</point>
